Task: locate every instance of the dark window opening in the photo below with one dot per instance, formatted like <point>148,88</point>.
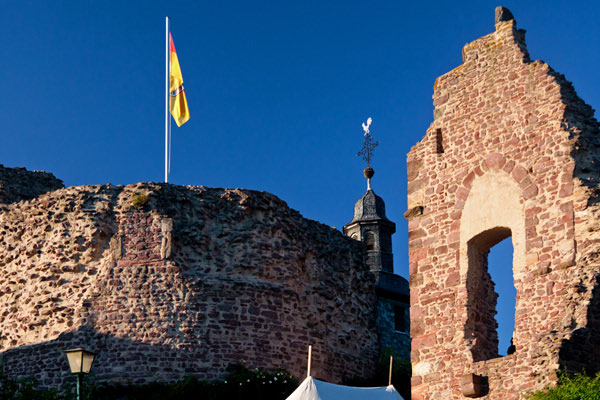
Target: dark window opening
<point>400,319</point>
<point>491,294</point>
<point>370,241</point>
<point>439,143</point>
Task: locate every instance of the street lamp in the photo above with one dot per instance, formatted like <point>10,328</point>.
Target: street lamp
<point>80,362</point>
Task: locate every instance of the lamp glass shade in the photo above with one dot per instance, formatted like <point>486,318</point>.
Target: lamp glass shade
<point>80,360</point>
<point>88,359</point>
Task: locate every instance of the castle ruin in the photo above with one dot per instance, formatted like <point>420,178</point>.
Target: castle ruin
<point>512,152</point>
<point>164,281</point>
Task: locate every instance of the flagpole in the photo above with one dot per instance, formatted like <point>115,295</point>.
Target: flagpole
<point>167,83</point>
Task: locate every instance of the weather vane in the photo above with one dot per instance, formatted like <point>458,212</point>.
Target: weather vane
<point>368,144</point>
<point>367,151</point>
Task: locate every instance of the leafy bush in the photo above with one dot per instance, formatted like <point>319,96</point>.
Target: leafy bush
<point>27,389</point>
<point>241,383</point>
<point>571,387</point>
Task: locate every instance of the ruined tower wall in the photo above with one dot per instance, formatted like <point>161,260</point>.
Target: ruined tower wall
<point>187,283</point>
<point>512,151</point>
<point>18,184</point>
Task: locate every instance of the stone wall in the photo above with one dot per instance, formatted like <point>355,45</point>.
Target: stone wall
<point>390,339</point>
<point>18,184</point>
<point>186,282</point>
<point>512,151</point>
<point>392,298</point>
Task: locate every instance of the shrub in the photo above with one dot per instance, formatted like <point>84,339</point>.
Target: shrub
<point>139,200</point>
<point>241,383</point>
<point>571,387</point>
<point>27,389</point>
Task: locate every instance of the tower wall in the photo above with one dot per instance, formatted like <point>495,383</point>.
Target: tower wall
<point>18,184</point>
<point>186,282</point>
<point>512,151</point>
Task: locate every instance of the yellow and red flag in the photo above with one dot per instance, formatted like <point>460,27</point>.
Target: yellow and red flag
<point>177,101</point>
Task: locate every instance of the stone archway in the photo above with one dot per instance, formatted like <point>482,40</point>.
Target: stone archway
<point>493,212</point>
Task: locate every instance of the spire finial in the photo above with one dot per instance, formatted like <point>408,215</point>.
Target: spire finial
<point>367,151</point>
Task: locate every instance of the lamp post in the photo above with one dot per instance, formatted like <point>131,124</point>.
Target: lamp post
<point>80,362</point>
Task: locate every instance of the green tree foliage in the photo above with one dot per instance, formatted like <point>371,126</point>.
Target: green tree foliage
<point>27,389</point>
<point>571,387</point>
<point>241,383</point>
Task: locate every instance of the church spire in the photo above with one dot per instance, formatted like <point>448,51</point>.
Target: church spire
<point>369,224</point>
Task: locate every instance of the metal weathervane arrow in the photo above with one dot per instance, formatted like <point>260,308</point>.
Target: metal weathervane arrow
<point>368,143</point>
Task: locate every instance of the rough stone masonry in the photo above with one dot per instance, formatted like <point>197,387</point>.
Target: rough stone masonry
<point>165,281</point>
<point>512,152</point>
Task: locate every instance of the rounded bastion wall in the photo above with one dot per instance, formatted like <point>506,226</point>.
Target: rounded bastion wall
<point>187,281</point>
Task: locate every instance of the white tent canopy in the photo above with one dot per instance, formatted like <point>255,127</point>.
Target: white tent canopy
<point>313,389</point>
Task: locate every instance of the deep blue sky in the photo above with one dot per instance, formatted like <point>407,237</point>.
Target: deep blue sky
<point>277,90</point>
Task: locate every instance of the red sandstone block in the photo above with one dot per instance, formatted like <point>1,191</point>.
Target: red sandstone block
<point>566,189</point>
<point>419,393</point>
<point>495,160</point>
<point>453,237</point>
<point>519,173</point>
<point>412,268</point>
<point>418,254</point>
<point>462,194</point>
<point>530,191</point>
<point>468,181</point>
<point>423,341</point>
<point>455,226</point>
<point>414,245</point>
<point>453,279</point>
<point>415,381</point>
<point>567,207</point>
<point>454,215</point>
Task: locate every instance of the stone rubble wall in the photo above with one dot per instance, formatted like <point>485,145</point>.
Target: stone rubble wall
<point>391,340</point>
<point>18,184</point>
<point>187,282</point>
<point>511,147</point>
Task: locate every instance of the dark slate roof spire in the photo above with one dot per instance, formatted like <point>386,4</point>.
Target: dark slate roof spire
<point>369,207</point>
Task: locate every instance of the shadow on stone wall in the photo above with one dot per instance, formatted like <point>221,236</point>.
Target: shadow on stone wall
<point>122,360</point>
<point>17,184</point>
<point>580,122</point>
<point>582,351</point>
<point>189,282</point>
<point>118,359</point>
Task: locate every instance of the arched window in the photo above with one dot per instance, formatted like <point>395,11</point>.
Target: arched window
<point>370,241</point>
<point>493,213</point>
<point>482,322</point>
